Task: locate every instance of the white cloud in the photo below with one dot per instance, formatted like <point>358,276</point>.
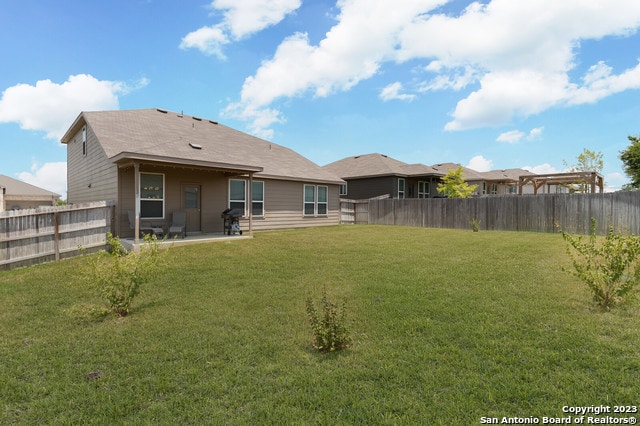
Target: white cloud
<point>480,164</point>
<point>392,91</point>
<point>514,136</point>
<point>456,80</point>
<point>600,83</point>
<point>518,54</point>
<point>535,133</point>
<point>52,107</point>
<point>208,40</point>
<point>353,50</point>
<point>240,19</point>
<point>542,169</point>
<point>511,136</point>
<point>521,52</point>
<point>49,176</point>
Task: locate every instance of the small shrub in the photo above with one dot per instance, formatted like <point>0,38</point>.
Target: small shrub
<point>329,330</point>
<point>475,225</point>
<point>608,266</point>
<point>117,275</point>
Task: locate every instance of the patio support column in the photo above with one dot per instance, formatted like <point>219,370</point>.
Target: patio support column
<point>136,180</point>
<point>251,204</point>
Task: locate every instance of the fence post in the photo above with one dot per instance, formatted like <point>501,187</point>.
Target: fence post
<point>56,235</point>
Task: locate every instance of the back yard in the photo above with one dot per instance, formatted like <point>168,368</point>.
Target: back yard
<point>448,327</point>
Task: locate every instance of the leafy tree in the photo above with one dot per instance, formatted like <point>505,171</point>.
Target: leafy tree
<point>631,159</point>
<point>587,161</point>
<point>453,185</point>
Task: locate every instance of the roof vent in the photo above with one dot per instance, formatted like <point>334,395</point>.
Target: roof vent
<point>213,122</point>
<point>195,145</point>
<point>164,111</point>
<point>197,118</point>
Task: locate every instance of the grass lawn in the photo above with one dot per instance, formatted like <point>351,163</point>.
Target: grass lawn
<point>448,326</point>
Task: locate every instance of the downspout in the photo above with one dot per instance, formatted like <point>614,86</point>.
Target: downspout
<point>136,180</point>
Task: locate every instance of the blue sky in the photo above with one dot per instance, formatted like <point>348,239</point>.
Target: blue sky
<point>490,85</point>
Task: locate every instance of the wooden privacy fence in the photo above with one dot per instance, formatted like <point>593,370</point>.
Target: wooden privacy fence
<point>535,213</point>
<point>356,211</point>
<point>29,237</point>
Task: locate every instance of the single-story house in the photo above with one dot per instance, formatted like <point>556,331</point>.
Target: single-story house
<point>155,162</point>
<point>373,175</point>
<point>17,195</point>
<point>493,182</point>
<point>504,182</point>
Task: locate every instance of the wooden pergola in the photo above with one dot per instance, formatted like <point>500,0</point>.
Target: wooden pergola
<point>592,179</point>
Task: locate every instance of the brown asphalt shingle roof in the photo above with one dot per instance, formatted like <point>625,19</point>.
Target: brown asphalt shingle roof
<point>166,136</point>
<point>17,187</point>
<point>369,165</point>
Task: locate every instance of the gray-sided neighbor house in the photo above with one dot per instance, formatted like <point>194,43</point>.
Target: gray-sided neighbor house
<point>155,162</point>
<point>17,195</point>
<point>373,175</point>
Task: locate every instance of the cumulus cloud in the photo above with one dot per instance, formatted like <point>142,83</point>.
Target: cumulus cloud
<point>513,58</point>
<point>393,91</point>
<point>480,164</point>
<point>542,169</point>
<point>353,50</point>
<point>535,133</point>
<point>511,136</point>
<point>51,107</point>
<point>240,19</point>
<point>514,136</point>
<point>49,176</point>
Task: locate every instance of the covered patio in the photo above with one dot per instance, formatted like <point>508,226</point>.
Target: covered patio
<point>130,243</point>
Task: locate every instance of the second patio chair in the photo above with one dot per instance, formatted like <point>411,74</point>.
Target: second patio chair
<point>178,224</point>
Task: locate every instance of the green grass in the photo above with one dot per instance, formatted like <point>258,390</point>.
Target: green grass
<point>447,326</point>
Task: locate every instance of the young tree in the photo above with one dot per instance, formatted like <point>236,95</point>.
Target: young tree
<point>454,186</point>
<point>631,159</point>
<point>587,161</point>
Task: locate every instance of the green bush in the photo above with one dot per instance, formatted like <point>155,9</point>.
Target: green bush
<point>329,328</point>
<point>117,275</point>
<point>608,266</point>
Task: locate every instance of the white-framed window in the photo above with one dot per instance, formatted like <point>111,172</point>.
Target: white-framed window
<point>494,188</point>
<point>484,188</point>
<point>316,200</point>
<point>257,198</point>
<point>343,189</point>
<point>238,196</point>
<point>152,195</point>
<point>84,140</point>
<point>323,200</point>
<point>401,184</point>
<point>423,189</point>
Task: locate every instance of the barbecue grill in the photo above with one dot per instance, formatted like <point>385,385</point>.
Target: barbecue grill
<point>232,221</point>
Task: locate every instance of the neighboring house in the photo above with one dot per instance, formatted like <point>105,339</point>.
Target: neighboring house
<point>373,175</point>
<point>155,162</point>
<point>504,182</point>
<point>16,195</point>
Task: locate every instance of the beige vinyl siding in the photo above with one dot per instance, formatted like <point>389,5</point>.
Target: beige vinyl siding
<point>90,177</point>
<point>213,195</point>
<point>283,207</point>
